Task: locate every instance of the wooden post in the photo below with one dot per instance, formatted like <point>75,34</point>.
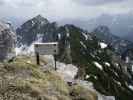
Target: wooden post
<point>37,58</point>
<point>55,62</point>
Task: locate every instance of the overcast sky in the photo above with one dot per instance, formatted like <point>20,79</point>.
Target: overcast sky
<point>62,9</point>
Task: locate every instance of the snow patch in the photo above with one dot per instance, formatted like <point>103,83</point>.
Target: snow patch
<point>98,65</point>
<point>95,77</point>
<point>25,50</point>
<point>107,64</point>
<point>116,74</point>
<point>28,50</point>
<point>87,76</point>
<point>33,23</point>
<point>20,50</point>
<point>85,35</point>
<point>83,44</point>
<point>127,59</point>
<point>132,68</point>
<point>68,34</point>
<point>103,45</point>
<point>131,87</point>
<point>59,36</point>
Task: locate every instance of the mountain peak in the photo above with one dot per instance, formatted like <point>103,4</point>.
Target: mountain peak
<point>102,29</point>
<point>40,18</point>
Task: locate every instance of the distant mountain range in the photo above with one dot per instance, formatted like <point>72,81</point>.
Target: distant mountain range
<point>97,53</point>
<point>120,25</point>
<point>119,44</point>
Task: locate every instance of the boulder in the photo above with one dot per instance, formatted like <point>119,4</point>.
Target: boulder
<point>7,41</point>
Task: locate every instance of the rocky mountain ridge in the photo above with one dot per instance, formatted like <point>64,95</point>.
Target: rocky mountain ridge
<point>96,60</point>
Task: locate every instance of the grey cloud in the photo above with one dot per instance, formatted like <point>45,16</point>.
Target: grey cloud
<point>62,9</point>
<point>1,2</point>
<point>97,2</point>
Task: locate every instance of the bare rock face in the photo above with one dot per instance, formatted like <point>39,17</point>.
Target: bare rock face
<point>7,42</point>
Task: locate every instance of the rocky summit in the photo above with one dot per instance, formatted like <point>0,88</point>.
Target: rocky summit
<point>7,41</point>
<point>36,27</point>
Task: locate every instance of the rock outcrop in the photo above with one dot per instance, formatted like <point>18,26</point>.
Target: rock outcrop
<point>7,41</point>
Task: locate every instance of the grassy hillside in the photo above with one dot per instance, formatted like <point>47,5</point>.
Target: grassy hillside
<point>22,79</point>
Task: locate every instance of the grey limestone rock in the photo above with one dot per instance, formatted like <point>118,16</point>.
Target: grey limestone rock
<point>7,41</point>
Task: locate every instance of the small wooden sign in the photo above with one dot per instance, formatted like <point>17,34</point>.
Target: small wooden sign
<point>50,48</point>
<point>47,48</point>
